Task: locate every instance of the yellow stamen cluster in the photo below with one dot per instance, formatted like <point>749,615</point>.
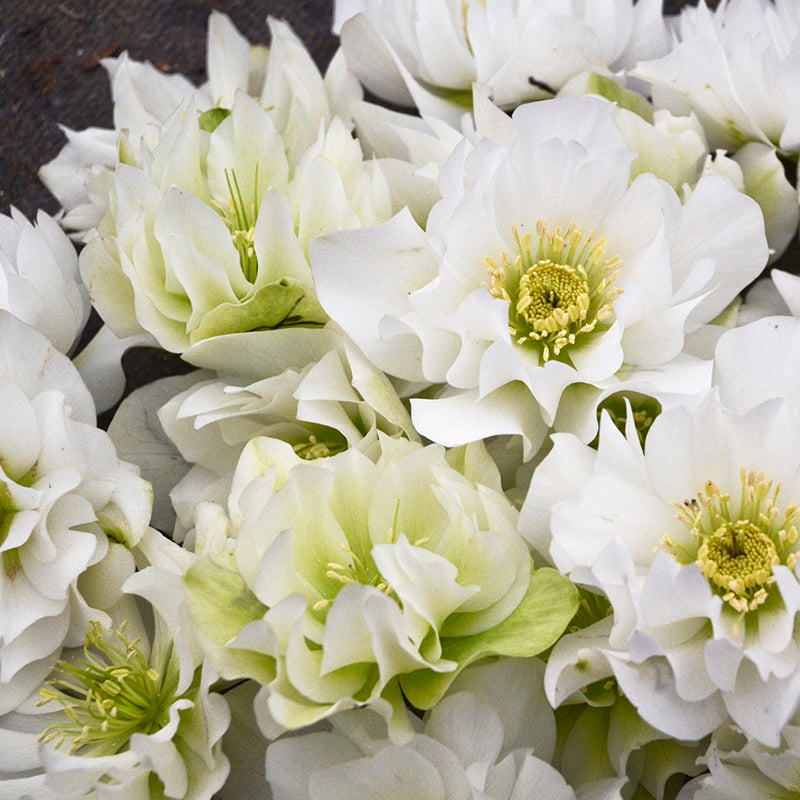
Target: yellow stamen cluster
<point>738,549</point>
<point>110,694</point>
<point>557,292</point>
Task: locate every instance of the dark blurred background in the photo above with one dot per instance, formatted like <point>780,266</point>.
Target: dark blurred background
<point>50,74</point>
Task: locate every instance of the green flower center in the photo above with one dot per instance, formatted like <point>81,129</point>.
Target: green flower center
<point>313,447</point>
<point>110,694</point>
<point>357,565</point>
<point>240,218</point>
<point>644,411</point>
<point>738,550</point>
<point>557,293</point>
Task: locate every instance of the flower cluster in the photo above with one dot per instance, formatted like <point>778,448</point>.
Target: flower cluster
<point>483,480</point>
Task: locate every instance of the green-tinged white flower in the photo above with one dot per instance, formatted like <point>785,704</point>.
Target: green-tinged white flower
<point>429,53</point>
<point>491,736</point>
<point>39,280</point>
<point>545,279</point>
<point>342,582</point>
<point>82,175</point>
<point>205,244</point>
<point>130,713</point>
<point>69,511</point>
<point>130,724</point>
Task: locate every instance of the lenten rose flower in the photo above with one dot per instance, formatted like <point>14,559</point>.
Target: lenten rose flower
<point>129,713</point>
<point>341,582</point>
<point>428,54</point>
<point>70,511</point>
<point>39,280</point>
<point>544,280</point>
<point>205,245</point>
<point>692,540</point>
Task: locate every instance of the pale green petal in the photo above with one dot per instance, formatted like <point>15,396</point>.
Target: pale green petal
<point>220,605</point>
<point>538,621</point>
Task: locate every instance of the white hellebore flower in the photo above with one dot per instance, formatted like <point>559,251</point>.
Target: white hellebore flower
<point>205,245</point>
<point>428,53</point>
<point>69,511</point>
<point>341,582</point>
<point>144,98</point>
<point>694,543</point>
<point>129,714</point>
<point>39,280</point>
<point>545,279</point>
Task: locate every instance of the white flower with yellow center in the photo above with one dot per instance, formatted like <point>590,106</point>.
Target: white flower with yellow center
<point>694,542</point>
<point>69,511</point>
<point>428,53</point>
<point>544,280</point>
<point>205,245</point>
<point>359,583</point>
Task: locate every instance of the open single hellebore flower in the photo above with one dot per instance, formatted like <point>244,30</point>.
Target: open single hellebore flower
<point>341,582</point>
<point>545,279</point>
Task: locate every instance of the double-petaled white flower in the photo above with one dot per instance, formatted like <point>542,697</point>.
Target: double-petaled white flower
<point>544,280</point>
<point>429,53</point>
<point>341,401</point>
<point>130,712</point>
<point>69,511</point>
<point>358,583</point>
<point>693,542</point>
<point>205,245</point>
<point>738,68</point>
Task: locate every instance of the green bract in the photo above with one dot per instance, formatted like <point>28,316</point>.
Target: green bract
<point>345,580</point>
